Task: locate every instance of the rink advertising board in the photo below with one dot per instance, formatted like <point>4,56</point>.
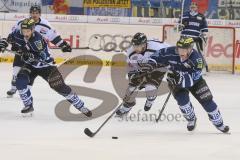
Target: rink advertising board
<point>107,3</point>
<point>77,31</point>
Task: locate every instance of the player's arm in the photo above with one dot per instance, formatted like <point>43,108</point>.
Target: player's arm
<point>182,22</point>
<point>186,79</point>
<point>157,60</point>
<point>4,42</point>
<point>56,39</point>
<point>11,39</point>
<point>204,29</point>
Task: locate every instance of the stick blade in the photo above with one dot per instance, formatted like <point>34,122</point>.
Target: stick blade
<point>88,132</point>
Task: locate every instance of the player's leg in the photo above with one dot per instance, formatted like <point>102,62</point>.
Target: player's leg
<point>22,81</point>
<point>129,99</point>
<point>203,94</point>
<point>183,100</point>
<point>151,88</point>
<point>56,82</point>
<point>17,63</point>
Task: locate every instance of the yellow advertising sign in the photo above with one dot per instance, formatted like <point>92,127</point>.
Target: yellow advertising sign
<point>107,3</point>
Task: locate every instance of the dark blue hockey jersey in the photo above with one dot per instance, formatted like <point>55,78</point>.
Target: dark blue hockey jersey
<point>194,25</point>
<point>35,45</point>
<point>190,69</point>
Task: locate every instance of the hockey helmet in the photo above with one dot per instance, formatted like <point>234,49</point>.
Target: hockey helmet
<point>35,8</point>
<point>185,42</point>
<point>28,23</point>
<point>194,5</point>
<point>138,39</point>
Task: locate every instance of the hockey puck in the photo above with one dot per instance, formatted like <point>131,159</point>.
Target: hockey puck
<point>114,137</point>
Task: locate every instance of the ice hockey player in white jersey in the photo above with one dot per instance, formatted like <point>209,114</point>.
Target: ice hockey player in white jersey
<point>43,27</point>
<point>141,48</point>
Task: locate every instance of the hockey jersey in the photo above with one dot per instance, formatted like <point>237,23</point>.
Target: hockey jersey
<point>194,25</point>
<point>133,58</point>
<point>190,69</point>
<point>36,45</point>
<point>45,29</point>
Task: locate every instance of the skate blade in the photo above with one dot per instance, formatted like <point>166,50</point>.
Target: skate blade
<point>26,115</point>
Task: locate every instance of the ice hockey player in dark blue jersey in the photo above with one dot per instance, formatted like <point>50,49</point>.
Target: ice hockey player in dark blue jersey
<point>194,24</point>
<point>43,27</point>
<point>185,75</point>
<point>37,62</point>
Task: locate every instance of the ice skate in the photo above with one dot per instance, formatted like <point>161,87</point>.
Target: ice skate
<point>85,111</point>
<point>223,128</point>
<point>123,111</point>
<point>148,105</point>
<point>27,111</point>
<point>192,124</point>
<point>11,92</point>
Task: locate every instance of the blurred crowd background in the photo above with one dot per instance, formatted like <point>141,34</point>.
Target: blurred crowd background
<point>212,9</point>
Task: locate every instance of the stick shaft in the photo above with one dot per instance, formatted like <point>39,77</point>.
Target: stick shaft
<point>164,105</point>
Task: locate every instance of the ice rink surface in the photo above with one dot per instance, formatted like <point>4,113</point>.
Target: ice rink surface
<point>45,137</point>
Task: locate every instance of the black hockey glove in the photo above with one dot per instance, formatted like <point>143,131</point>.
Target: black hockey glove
<point>3,44</point>
<point>65,47</point>
<point>174,78</point>
<point>132,75</point>
<point>27,57</point>
<point>147,65</point>
<point>15,47</point>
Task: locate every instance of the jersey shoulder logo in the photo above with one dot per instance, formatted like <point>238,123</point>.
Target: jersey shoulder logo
<point>39,44</point>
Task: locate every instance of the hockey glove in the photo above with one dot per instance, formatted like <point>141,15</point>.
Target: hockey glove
<point>3,44</point>
<point>175,78</point>
<point>15,47</point>
<point>179,27</point>
<point>65,47</point>
<point>135,75</point>
<point>147,65</point>
<point>27,57</point>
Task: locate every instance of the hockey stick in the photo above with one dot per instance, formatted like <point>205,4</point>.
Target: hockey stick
<point>164,105</point>
<point>199,50</point>
<point>182,10</point>
<point>91,134</point>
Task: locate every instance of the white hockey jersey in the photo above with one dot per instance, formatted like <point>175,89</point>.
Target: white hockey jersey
<point>133,58</point>
<point>45,29</point>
